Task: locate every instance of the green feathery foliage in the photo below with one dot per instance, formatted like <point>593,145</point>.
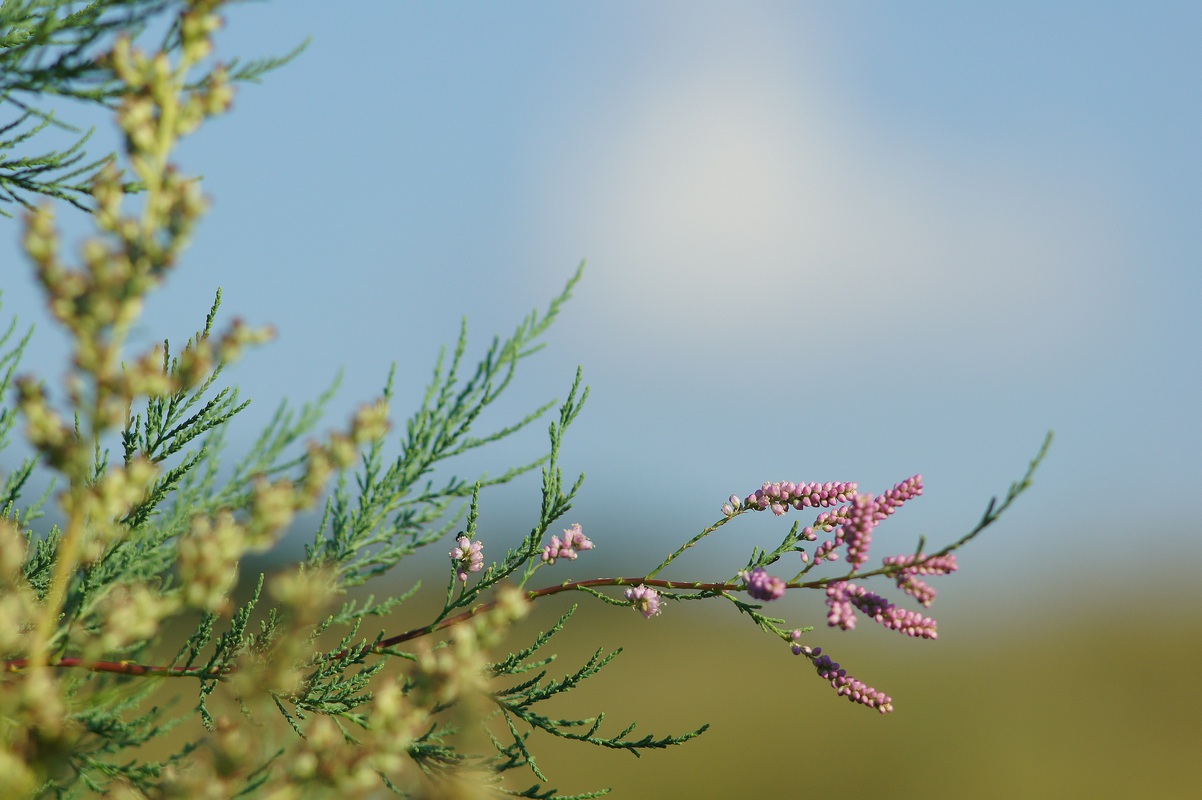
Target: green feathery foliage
<point>49,54</point>
<point>295,687</point>
<point>14,484</point>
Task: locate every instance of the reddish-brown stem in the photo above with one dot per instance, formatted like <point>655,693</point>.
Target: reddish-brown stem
<point>550,590</point>
<point>120,667</point>
<point>130,668</point>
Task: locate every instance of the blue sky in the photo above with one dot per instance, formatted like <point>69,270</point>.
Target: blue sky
<point>825,242</point>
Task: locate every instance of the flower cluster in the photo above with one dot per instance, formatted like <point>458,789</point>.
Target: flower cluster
<point>853,523</point>
<point>852,517</point>
<point>763,586</point>
<point>468,557</point>
<point>573,540</point>
<point>644,599</point>
<point>842,596</point>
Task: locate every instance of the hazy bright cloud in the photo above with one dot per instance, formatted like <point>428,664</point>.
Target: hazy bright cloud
<point>738,201</point>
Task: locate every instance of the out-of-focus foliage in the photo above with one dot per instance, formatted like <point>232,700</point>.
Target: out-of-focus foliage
<point>50,52</point>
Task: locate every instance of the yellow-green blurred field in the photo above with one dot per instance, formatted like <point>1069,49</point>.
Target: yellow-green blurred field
<point>1048,700</point>
<point>1101,702</point>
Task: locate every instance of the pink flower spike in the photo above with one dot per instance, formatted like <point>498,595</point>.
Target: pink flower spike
<point>907,579</point>
<point>844,597</point>
<point>891,500</point>
<point>644,599</point>
<point>838,598</point>
<point>780,497</point>
<point>857,531</point>
<point>854,690</point>
<point>917,588</point>
<point>937,565</point>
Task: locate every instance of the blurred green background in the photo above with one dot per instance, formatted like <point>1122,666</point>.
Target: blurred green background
<point>1041,700</point>
<point>1053,695</point>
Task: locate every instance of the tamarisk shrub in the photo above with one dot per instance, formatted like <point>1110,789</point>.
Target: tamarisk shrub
<point>156,526</point>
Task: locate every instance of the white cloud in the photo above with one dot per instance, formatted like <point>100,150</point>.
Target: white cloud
<point>732,205</point>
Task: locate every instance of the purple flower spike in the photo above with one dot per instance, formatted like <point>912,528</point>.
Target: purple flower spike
<point>843,596</point>
<point>895,618</point>
<point>645,600</point>
<point>939,565</point>
<point>854,690</point>
<point>469,557</point>
<point>782,496</point>
<point>763,586</point>
<point>917,588</point>
<point>891,500</point>
<point>838,598</point>
<point>909,582</point>
<point>857,532</point>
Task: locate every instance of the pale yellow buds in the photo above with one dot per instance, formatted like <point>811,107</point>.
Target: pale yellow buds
<point>273,505</point>
<point>13,551</point>
<point>219,94</point>
<point>208,560</point>
<point>41,241</point>
<point>371,422</point>
<point>147,378</point>
<point>47,431</point>
<point>238,336</point>
<point>108,196</point>
<point>132,614</point>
